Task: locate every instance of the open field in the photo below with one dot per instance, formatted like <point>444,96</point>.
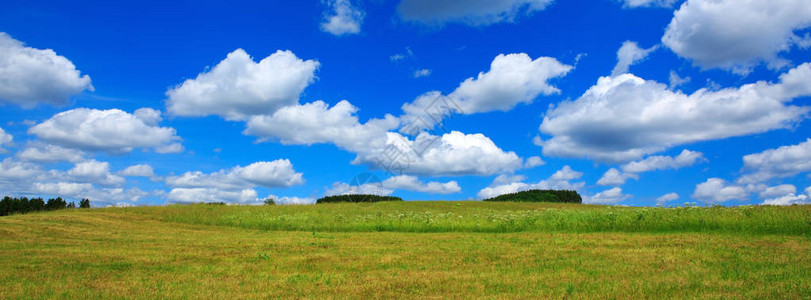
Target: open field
<point>420,249</point>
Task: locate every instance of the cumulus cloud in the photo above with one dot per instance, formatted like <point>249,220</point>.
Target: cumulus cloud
<point>293,200</point>
<point>628,55</point>
<point>737,35</point>
<point>718,190</point>
<point>277,173</point>
<point>5,138</point>
<point>610,196</point>
<point>508,178</point>
<point>615,177</point>
<point>140,170</point>
<point>98,196</point>
<point>625,117</point>
<point>343,18</point>
<point>560,180</point>
<point>533,161</point>
<point>789,199</point>
<point>676,80</point>
<point>469,12</point>
<point>779,190</point>
<point>237,87</point>
<point>512,79</point>
<point>452,154</point>
<point>785,161</point>
<point>47,153</point>
<point>112,130</point>
<point>95,172</point>
<point>667,198</point>
<point>29,76</point>
<point>341,188</point>
<point>208,195</point>
<point>412,183</point>
<point>316,122</point>
<point>16,171</point>
<point>661,162</point>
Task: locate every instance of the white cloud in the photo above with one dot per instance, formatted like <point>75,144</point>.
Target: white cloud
<point>140,170</point>
<point>341,188</point>
<point>95,172</point>
<point>29,76</point>
<point>344,18</point>
<point>777,191</point>
<point>277,173</point>
<point>507,178</point>
<point>293,200</point>
<point>660,162</point>
<point>238,87</point>
<point>422,73</point>
<point>222,179</point>
<point>676,81</point>
<point>39,152</point>
<point>63,188</point>
<point>789,199</point>
<point>625,117</point>
<point>16,171</point>
<point>470,12</point>
<point>411,183</point>
<point>667,198</point>
<point>400,56</point>
<point>512,79</point>
<point>560,180</point>
<point>718,190</point>
<point>533,161</point>
<point>316,122</point>
<point>452,154</point>
<point>97,196</point>
<point>5,138</point>
<point>565,174</point>
<point>785,161</point>
<point>207,195</point>
<point>112,130</point>
<point>615,177</point>
<point>736,35</point>
<point>610,196</point>
<point>647,3</point>
<point>628,55</point>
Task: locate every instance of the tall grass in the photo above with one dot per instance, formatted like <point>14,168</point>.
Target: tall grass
<point>494,217</point>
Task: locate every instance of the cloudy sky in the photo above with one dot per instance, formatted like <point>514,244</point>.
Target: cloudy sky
<point>632,102</point>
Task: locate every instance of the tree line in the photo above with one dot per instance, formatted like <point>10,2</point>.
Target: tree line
<point>9,205</point>
<point>561,196</point>
<point>356,198</point>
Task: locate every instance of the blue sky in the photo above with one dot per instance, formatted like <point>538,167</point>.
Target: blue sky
<point>631,102</point>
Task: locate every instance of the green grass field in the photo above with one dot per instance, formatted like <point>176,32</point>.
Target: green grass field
<point>408,249</point>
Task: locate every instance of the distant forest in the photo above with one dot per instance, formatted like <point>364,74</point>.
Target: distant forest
<point>10,206</point>
<point>561,196</point>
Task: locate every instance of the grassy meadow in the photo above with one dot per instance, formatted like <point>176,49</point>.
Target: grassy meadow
<point>408,249</point>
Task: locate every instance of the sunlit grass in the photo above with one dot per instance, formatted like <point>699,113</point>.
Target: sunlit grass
<point>443,216</point>
<point>328,251</point>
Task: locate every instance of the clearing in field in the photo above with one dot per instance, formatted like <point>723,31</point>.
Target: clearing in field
<point>415,249</point>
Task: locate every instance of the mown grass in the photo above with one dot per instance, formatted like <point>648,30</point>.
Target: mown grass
<point>200,251</point>
<point>441,216</point>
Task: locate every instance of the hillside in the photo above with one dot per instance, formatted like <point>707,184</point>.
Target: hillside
<point>420,249</point>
